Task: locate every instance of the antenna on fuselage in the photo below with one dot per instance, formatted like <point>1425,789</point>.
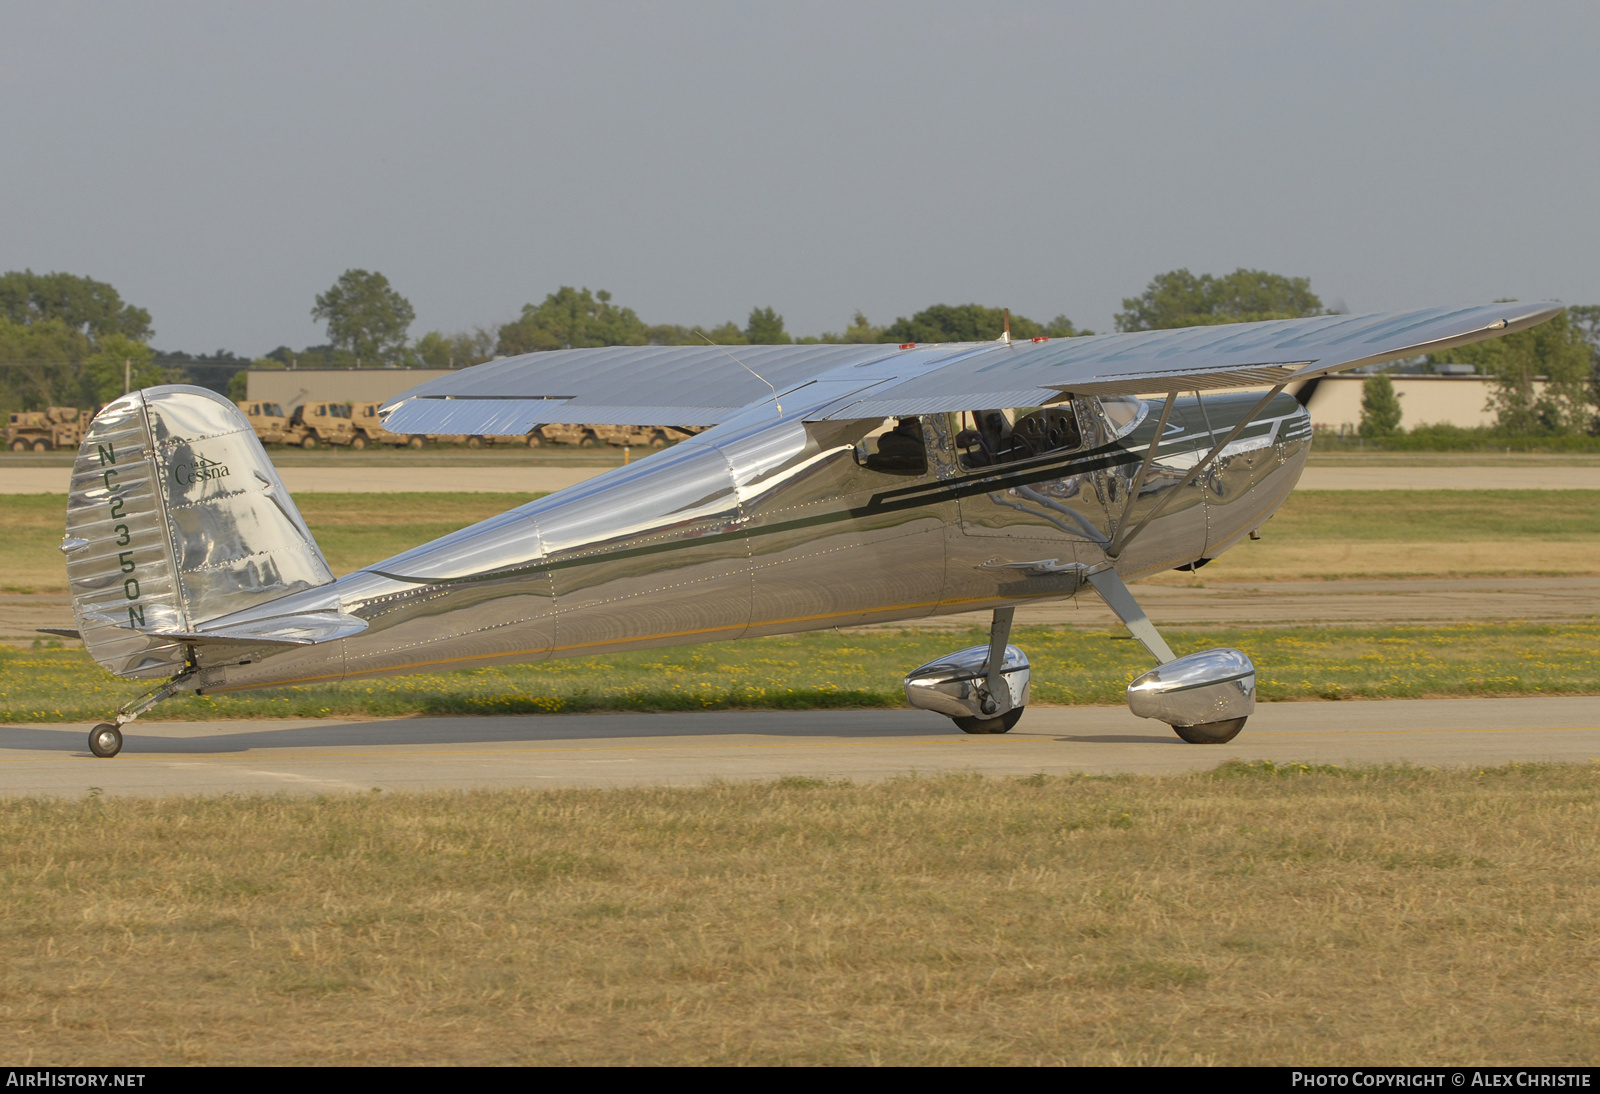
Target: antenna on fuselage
<point>747,368</point>
<point>1005,335</point>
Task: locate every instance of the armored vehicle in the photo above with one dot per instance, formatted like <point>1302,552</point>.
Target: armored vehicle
<point>369,429</point>
<point>42,430</point>
<point>324,423</point>
<point>270,423</point>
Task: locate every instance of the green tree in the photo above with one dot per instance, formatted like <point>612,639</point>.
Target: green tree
<point>118,365</point>
<point>570,319</point>
<point>43,364</point>
<point>962,323</point>
<point>1380,407</point>
<point>312,357</point>
<point>365,317</point>
<point>1062,327</point>
<point>765,328</point>
<point>439,350</point>
<point>1180,299</point>
<point>81,303</point>
<point>1556,353</point>
<point>1586,318</point>
<point>672,334</point>
<point>859,332</point>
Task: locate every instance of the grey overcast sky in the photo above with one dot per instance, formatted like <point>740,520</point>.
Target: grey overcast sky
<point>221,164</point>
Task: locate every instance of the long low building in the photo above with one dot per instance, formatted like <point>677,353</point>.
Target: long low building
<point>1424,400</point>
<point>291,387</point>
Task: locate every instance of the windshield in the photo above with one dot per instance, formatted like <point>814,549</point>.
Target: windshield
<point>1123,413</point>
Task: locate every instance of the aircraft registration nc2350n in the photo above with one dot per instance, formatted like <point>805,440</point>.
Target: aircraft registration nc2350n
<point>839,485</point>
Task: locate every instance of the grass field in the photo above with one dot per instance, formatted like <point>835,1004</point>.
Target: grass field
<point>1254,915</point>
<point>833,669</point>
<point>1329,533</point>
<point>1403,533</point>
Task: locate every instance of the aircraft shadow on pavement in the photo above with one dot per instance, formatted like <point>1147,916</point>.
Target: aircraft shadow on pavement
<point>532,729</point>
<point>1122,739</point>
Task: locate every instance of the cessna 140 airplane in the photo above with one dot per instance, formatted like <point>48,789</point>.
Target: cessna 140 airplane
<point>840,485</point>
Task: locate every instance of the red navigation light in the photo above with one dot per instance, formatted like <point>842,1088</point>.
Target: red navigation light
<point>1042,338</point>
<point>908,345</point>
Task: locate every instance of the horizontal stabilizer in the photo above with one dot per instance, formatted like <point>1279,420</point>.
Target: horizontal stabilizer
<point>305,629</point>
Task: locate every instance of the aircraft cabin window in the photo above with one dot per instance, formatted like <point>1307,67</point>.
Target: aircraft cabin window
<point>991,438</point>
<point>898,449</point>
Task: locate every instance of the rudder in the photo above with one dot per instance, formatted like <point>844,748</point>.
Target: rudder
<point>175,517</point>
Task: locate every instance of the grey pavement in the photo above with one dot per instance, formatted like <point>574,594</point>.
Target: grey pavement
<point>410,754</point>
<point>462,479</point>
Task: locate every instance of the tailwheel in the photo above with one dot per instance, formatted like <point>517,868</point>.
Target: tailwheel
<point>1211,733</point>
<point>105,740</point>
<point>1001,723</point>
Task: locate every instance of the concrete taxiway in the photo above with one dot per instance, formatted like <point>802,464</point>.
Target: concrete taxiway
<point>318,757</point>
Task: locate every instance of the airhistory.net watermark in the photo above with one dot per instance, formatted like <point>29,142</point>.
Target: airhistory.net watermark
<point>47,1077</point>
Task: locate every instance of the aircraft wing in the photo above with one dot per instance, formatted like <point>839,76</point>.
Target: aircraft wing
<point>614,385</point>
<point>704,385</point>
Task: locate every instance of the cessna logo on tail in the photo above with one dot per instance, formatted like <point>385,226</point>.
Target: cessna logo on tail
<point>198,470</point>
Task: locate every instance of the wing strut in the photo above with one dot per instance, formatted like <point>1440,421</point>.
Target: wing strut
<point>1122,539</point>
<point>1144,470</point>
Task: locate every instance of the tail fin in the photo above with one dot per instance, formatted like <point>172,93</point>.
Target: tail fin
<point>176,517</point>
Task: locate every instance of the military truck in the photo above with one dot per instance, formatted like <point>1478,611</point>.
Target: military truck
<point>364,418</point>
<point>640,436</point>
<point>42,430</point>
<point>583,436</point>
<point>269,421</point>
<point>621,436</point>
<point>314,424</point>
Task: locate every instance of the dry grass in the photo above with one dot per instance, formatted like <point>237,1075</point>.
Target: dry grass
<point>1423,533</point>
<point>1255,915</point>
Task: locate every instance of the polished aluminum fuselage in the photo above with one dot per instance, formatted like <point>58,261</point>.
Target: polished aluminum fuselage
<point>771,524</point>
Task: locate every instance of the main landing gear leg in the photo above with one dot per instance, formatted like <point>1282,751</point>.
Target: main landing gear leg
<point>981,688</point>
<point>1205,697</point>
<point>999,706</point>
<point>105,739</point>
<point>1121,601</point>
